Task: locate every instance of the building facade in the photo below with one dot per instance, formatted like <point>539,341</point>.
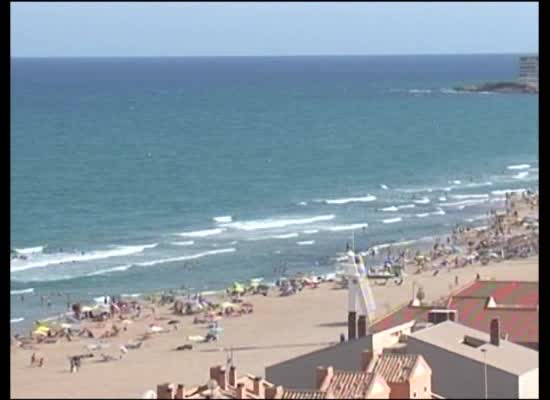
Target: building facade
<point>529,69</point>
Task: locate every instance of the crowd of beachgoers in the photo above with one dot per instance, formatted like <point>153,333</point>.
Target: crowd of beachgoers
<point>511,233</point>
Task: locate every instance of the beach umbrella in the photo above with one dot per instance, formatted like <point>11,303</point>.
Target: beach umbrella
<point>41,333</point>
<point>227,304</point>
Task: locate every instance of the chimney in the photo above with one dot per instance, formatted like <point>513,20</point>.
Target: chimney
<point>352,316</point>
<point>366,357</point>
<point>241,391</point>
<point>362,326</point>
<point>180,392</point>
<point>323,377</point>
<point>164,391</point>
<point>259,389</point>
<point>275,392</point>
<point>219,374</point>
<point>232,376</point>
<point>495,331</point>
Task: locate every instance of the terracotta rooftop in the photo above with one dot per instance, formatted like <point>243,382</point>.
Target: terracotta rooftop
<point>395,368</point>
<point>350,384</point>
<point>304,394</point>
<point>504,292</point>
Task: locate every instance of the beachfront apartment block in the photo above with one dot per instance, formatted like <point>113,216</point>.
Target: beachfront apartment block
<point>468,363</point>
<point>529,69</point>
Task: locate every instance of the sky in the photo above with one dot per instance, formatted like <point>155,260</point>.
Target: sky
<point>74,29</point>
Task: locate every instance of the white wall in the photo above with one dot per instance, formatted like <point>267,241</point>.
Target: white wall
<point>529,385</point>
<point>455,376</point>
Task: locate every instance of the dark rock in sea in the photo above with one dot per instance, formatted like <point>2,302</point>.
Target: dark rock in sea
<point>500,87</point>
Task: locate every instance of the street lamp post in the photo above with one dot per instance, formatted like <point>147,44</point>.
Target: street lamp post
<point>484,351</point>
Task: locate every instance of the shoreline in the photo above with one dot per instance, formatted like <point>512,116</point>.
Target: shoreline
<point>316,316</point>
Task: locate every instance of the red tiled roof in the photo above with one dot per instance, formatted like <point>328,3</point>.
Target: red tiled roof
<point>521,324</point>
<point>350,384</point>
<point>395,368</point>
<point>304,394</point>
<point>504,292</point>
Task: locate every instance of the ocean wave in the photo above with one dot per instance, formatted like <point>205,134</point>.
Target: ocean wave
<point>518,166</point>
<point>16,320</point>
<point>478,184</point>
<point>390,209</point>
<point>186,243</point>
<point>61,258</point>
<point>503,192</point>
<point>21,291</point>
<point>311,231</point>
<point>424,200</point>
<point>285,236</point>
<point>439,212</point>
<point>423,215</point>
<point>392,220</point>
<point>276,223</point>
<point>133,295</point>
<point>306,243</point>
<point>339,228</point>
<point>464,203</point>
<point>30,250</point>
<point>202,233</point>
<point>449,91</point>
<point>384,187</point>
<point>367,198</point>
<point>521,175</point>
<point>302,203</point>
<point>161,261</point>
<point>419,91</point>
<point>442,198</point>
<point>470,196</point>
<point>225,218</point>
<point>406,206</point>
<point>455,182</point>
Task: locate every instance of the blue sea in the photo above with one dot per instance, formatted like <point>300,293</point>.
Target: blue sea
<point>136,175</point>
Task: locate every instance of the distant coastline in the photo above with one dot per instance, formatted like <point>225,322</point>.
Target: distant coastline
<point>500,87</point>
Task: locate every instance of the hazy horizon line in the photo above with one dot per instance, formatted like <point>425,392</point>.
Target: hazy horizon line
<point>281,55</point>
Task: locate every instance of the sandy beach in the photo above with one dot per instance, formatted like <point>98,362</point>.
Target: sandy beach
<point>279,328</point>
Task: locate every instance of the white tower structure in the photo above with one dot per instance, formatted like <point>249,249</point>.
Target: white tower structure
<point>360,298</point>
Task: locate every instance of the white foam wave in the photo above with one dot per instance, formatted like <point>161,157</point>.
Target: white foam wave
<point>439,212</point>
<point>464,203</point>
<point>469,196</point>
<point>108,270</point>
<point>21,291</point>
<point>474,184</point>
<point>134,295</point>
<point>418,91</point>
<point>384,187</point>
<point>406,206</point>
<point>367,198</point>
<point>306,243</point>
<point>202,233</point>
<point>30,250</point>
<point>503,192</point>
<point>390,209</point>
<point>276,223</point>
<point>61,258</point>
<point>423,215</point>
<point>16,320</point>
<point>442,198</point>
<point>347,227</point>
<point>285,236</point>
<point>518,166</point>
<point>424,200</point>
<point>521,175</point>
<point>392,220</point>
<point>311,231</point>
<point>302,203</point>
<point>186,243</point>
<point>225,218</point>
